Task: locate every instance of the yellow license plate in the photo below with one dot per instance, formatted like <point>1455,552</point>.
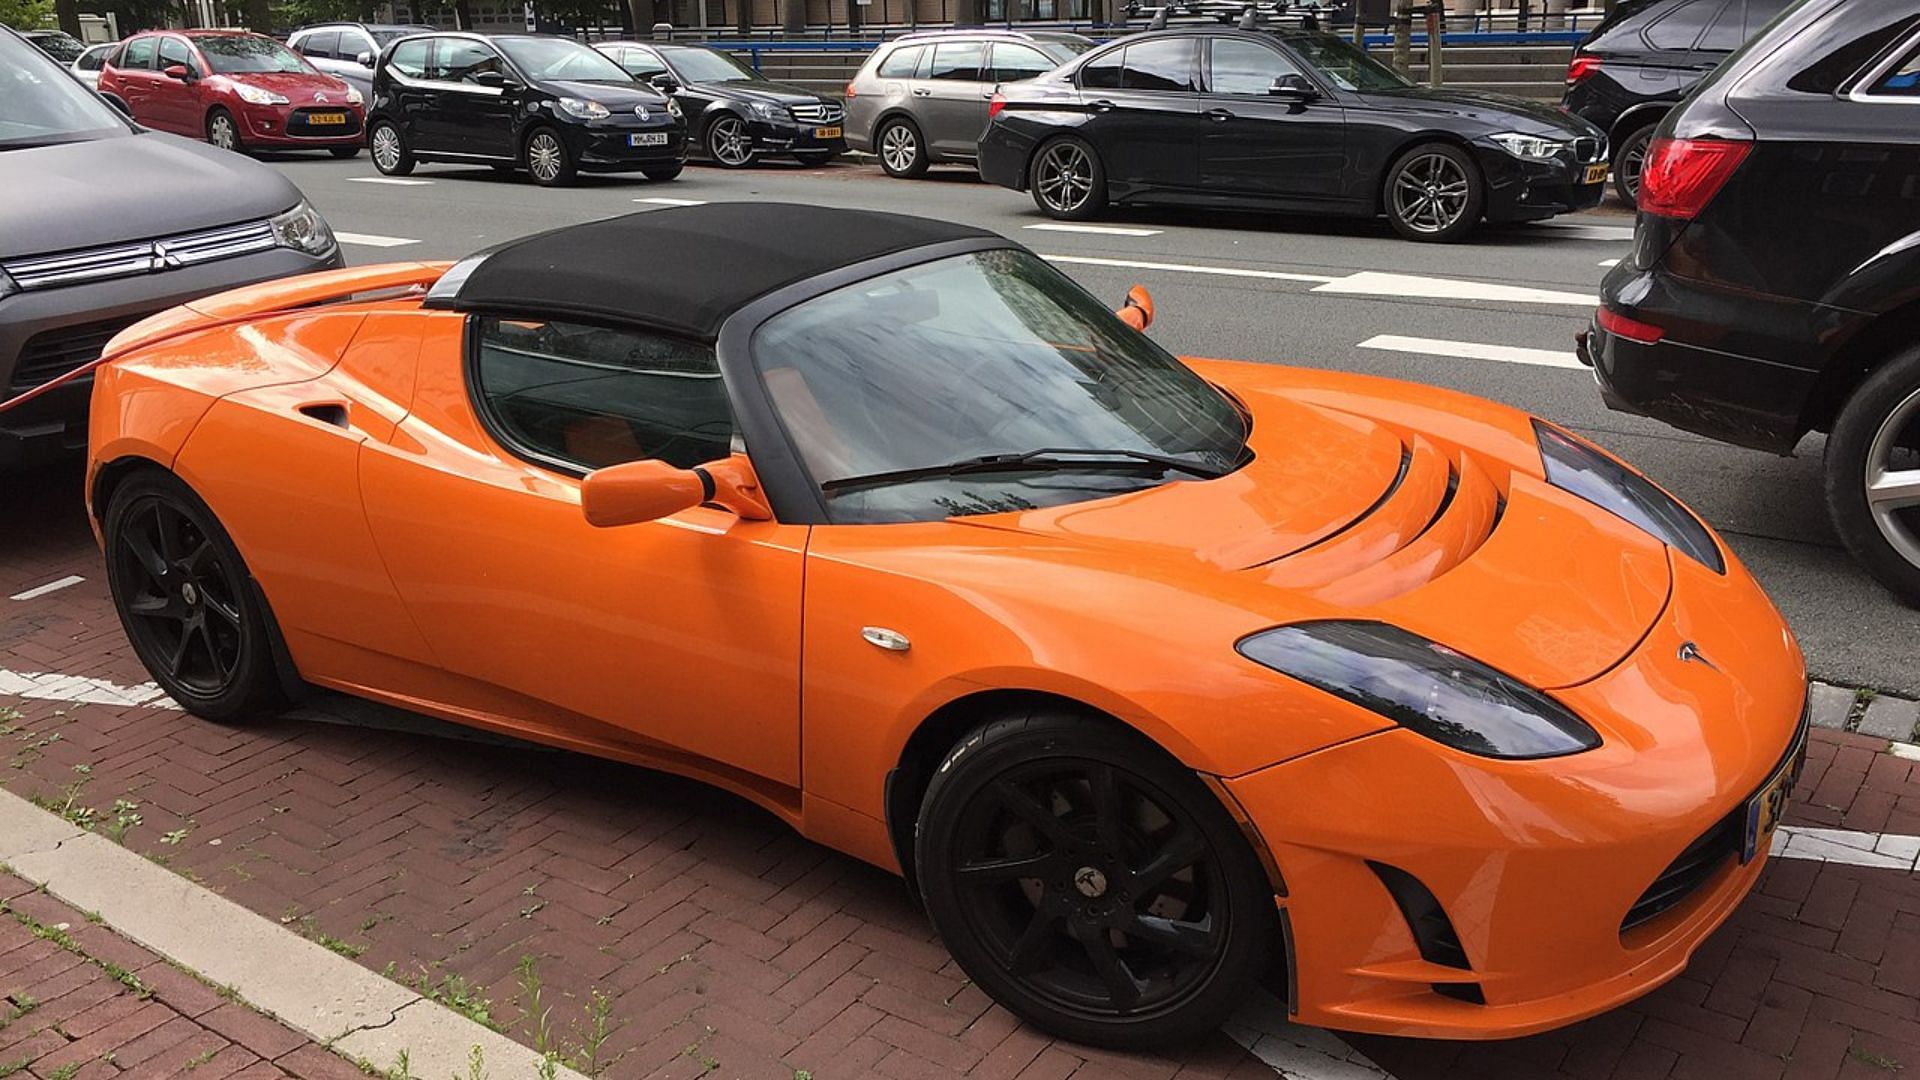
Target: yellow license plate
<point>826,133</point>
<point>1769,804</point>
<point>323,118</point>
<point>1596,174</point>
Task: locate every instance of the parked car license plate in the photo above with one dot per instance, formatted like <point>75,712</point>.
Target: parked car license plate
<point>648,138</point>
<point>826,133</point>
<point>1596,174</point>
<point>1768,804</point>
<point>326,118</point>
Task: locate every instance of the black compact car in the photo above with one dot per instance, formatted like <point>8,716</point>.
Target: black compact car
<point>1283,119</point>
<point>549,105</point>
<point>1774,286</point>
<point>1639,61</point>
<point>734,114</point>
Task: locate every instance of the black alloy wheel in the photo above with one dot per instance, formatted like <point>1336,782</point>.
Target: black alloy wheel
<point>1435,194</point>
<point>1090,883</point>
<point>1629,161</point>
<point>187,602</point>
<point>1068,180</point>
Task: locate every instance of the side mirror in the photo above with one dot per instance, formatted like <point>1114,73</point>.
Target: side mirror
<point>1137,312</point>
<point>1292,87</point>
<point>364,59</point>
<point>493,79</point>
<point>178,71</point>
<point>639,491</point>
<point>664,83</point>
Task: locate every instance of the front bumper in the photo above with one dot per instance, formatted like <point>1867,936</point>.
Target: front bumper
<point>603,146</point>
<point>293,126</point>
<point>61,322</point>
<point>786,136</point>
<point>1529,190</point>
<point>1537,864</point>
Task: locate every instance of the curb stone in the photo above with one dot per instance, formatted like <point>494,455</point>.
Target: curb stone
<point>1842,708</point>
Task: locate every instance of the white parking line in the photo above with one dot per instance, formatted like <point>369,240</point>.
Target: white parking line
<point>371,240</point>
<point>1579,231</point>
<point>1414,286</point>
<point>397,181</point>
<point>1609,262</point>
<point>1099,230</point>
<point>1187,268</point>
<point>52,686</point>
<point>1472,350</point>
<point>51,586</point>
<point>661,200</point>
<point>1889,850</point>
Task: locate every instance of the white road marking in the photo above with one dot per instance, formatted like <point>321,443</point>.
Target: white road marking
<point>1580,231</point>
<point>52,686</point>
<point>1889,850</point>
<point>661,200</point>
<point>1100,230</point>
<point>371,240</point>
<point>1609,262</point>
<point>1414,286</point>
<point>1293,1051</point>
<point>1904,750</point>
<point>397,181</point>
<point>1188,268</point>
<point>1472,350</point>
<point>51,586</point>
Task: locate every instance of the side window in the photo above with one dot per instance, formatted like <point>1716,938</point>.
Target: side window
<point>1727,31</point>
<point>1680,28</point>
<point>352,44</point>
<point>594,396</point>
<point>1244,67</point>
<point>1165,65</point>
<point>900,63</point>
<point>1902,80</point>
<point>91,59</point>
<point>457,60</point>
<point>174,51</point>
<point>957,61</point>
<point>1102,72</point>
<point>1762,12</point>
<point>410,58</point>
<point>1014,62</point>
<point>641,64</point>
<point>139,54</point>
<point>324,44</point>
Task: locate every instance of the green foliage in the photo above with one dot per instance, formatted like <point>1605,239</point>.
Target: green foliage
<point>26,14</point>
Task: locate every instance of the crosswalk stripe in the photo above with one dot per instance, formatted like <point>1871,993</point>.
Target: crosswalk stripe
<point>397,181</point>
<point>661,200</point>
<point>1419,287</point>
<point>1099,230</point>
<point>371,240</point>
<point>1187,268</point>
<point>1472,350</point>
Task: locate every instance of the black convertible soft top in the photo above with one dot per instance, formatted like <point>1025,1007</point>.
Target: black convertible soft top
<point>682,270</point>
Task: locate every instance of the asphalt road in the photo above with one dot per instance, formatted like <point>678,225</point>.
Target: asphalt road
<point>1494,317</point>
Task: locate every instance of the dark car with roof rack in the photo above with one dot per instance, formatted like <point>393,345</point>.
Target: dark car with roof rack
<point>735,115</point>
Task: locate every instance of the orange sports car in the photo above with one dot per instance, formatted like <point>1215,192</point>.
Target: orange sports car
<point>1151,676</point>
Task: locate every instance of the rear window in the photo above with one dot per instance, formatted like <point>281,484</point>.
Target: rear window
<point>1902,79</point>
<point>1166,65</point>
<point>957,61</point>
<point>139,54</point>
<point>1839,49</point>
<point>321,43</point>
<point>1678,29</point>
<point>900,63</point>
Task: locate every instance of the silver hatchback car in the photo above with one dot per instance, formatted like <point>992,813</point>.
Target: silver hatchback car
<point>921,99</point>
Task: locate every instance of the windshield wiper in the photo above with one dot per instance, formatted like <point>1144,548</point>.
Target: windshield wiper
<point>1045,458</point>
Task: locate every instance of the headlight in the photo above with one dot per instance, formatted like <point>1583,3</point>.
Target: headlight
<point>1579,469</point>
<point>7,286</point>
<point>583,110</point>
<point>303,229</point>
<point>673,110</point>
<point>1424,687</point>
<point>253,95</point>
<point>1529,146</point>
<point>353,96</point>
<point>769,110</point>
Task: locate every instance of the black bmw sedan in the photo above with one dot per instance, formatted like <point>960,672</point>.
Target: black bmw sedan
<point>1283,119</point>
<point>549,105</point>
<point>736,115</point>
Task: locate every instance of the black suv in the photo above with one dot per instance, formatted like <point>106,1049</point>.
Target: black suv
<point>1774,286</point>
<point>1642,59</point>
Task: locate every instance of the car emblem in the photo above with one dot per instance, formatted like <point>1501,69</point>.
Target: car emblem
<point>640,111</point>
<point>319,98</point>
<point>1091,882</point>
<point>1690,653</point>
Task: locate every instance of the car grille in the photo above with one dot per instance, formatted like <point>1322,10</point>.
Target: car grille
<point>1589,150</point>
<point>300,124</point>
<point>1690,871</point>
<point>50,354</point>
<point>144,257</point>
<point>825,112</point>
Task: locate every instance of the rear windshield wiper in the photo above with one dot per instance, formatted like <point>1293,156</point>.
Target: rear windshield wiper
<point>1046,458</point>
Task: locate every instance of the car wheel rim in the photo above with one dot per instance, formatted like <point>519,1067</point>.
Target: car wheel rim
<point>1893,478</point>
<point>223,133</point>
<point>182,599</point>
<point>727,141</point>
<point>386,147</point>
<point>1066,177</point>
<point>1092,887</point>
<point>544,157</point>
<point>898,148</point>
<point>1430,193</point>
<point>1631,163</point>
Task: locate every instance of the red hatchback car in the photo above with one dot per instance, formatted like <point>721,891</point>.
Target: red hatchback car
<point>236,90</point>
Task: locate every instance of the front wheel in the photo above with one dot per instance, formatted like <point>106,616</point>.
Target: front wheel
<point>903,154</point>
<point>1873,475</point>
<point>389,149</point>
<point>728,142</point>
<point>1435,194</point>
<point>223,131</point>
<point>1628,161</point>
<point>1090,883</point>
<point>1068,180</point>
<point>547,158</point>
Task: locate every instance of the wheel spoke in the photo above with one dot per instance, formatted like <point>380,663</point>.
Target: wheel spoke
<point>196,560</point>
<point>1108,813</point>
<point>1013,867</point>
<point>229,613</point>
<point>1894,490</point>
<point>166,531</point>
<point>144,553</point>
<point>1179,851</point>
<point>1027,809</point>
<point>1123,990</point>
<point>1029,950</point>
<point>177,661</point>
<point>153,605</point>
<point>1186,938</point>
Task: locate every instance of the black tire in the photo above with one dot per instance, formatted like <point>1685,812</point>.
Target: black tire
<point>187,601</point>
<point>813,159</point>
<point>1877,433</point>
<point>728,142</point>
<point>1434,193</point>
<point>223,131</point>
<point>387,145</point>
<point>344,152</point>
<point>664,173</point>
<point>1068,180</point>
<point>992,804</point>
<point>547,159</point>
<point>1628,157</point>
<point>901,148</point>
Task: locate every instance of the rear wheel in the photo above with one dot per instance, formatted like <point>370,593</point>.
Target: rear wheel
<point>187,602</point>
<point>728,142</point>
<point>1090,883</point>
<point>903,154</point>
<point>1629,158</point>
<point>1435,194</point>
<point>547,158</point>
<point>1068,180</point>
<point>223,131</point>
<point>1873,475</point>
<point>389,149</point>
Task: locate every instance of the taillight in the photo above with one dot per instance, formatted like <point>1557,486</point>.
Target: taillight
<point>1681,176</point>
<point>851,92</point>
<point>995,103</point>
<point>1632,329</point>
<point>1581,68</point>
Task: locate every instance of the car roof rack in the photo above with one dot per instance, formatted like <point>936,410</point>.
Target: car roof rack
<point>1159,21</point>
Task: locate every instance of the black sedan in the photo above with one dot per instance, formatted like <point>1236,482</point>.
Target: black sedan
<point>549,105</point>
<point>1283,119</point>
<point>735,114</point>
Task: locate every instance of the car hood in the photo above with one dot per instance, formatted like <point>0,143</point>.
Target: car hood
<point>297,87</point>
<point>1362,506</point>
<point>613,95</point>
<point>776,92</point>
<point>1498,112</point>
<point>160,188</point>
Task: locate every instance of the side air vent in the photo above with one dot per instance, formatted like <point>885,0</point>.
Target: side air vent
<point>1433,932</point>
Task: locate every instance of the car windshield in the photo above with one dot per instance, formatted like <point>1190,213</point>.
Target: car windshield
<point>386,37</point>
<point>1347,67</point>
<point>993,355</point>
<point>41,103</point>
<point>245,54</point>
<point>542,59</point>
<point>706,65</point>
<point>61,47</point>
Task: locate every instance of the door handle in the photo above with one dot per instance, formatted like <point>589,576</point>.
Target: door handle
<point>919,91</point>
<point>1219,115</point>
<point>1102,105</point>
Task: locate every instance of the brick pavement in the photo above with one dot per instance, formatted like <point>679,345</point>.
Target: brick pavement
<point>725,945</point>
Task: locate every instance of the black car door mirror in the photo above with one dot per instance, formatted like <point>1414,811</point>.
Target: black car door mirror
<point>664,83</point>
<point>1293,87</point>
<point>491,79</point>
